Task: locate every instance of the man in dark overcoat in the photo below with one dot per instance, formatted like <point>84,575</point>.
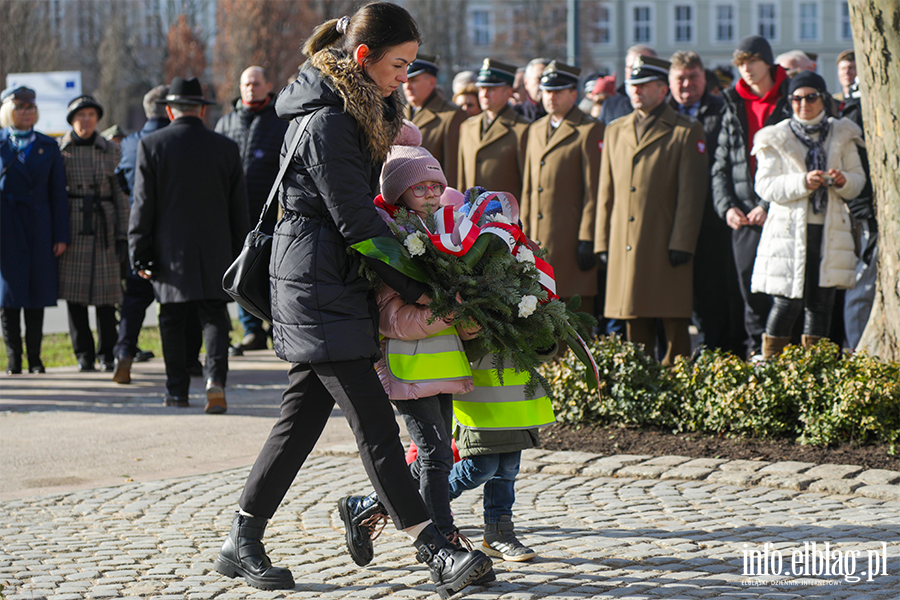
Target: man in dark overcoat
<point>653,186</point>
<point>188,223</point>
<point>718,306</point>
<point>559,195</point>
<point>492,144</point>
<point>259,134</point>
<point>436,117</point>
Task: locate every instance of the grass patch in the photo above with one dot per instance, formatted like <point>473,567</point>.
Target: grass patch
<point>56,348</point>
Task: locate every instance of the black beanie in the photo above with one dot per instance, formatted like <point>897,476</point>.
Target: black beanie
<point>755,44</point>
<point>807,79</point>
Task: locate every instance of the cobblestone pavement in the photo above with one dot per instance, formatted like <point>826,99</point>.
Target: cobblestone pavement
<point>604,527</point>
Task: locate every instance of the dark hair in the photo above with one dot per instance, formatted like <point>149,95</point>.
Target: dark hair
<point>379,26</point>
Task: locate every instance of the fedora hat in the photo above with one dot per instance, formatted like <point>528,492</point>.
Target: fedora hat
<point>185,91</point>
<point>82,102</point>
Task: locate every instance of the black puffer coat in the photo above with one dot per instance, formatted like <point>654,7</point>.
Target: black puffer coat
<point>259,135</point>
<point>732,183</point>
<point>322,308</point>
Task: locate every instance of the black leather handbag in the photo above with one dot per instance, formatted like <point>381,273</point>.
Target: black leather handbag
<point>247,279</point>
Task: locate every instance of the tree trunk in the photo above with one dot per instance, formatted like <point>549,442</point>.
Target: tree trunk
<point>876,33</point>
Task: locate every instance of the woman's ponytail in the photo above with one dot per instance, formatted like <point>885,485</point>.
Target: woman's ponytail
<point>324,35</point>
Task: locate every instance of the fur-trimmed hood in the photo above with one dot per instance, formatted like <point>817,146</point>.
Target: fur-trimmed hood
<point>330,78</point>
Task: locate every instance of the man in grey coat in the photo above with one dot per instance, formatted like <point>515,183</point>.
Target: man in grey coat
<point>187,225</point>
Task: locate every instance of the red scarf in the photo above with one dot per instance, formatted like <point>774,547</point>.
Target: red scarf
<point>255,106</point>
<point>390,209</point>
<point>759,108</point>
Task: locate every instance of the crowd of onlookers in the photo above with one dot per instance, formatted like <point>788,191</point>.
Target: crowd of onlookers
<point>678,195</point>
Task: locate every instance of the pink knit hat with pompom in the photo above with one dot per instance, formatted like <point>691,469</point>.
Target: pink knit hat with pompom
<point>408,164</point>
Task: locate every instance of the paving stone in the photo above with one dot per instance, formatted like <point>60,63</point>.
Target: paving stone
<point>642,471</point>
<point>579,458</point>
<point>685,472</point>
<point>836,486</point>
<point>832,471</point>
<point>743,465</point>
<point>879,477</point>
<point>786,479</point>
<point>788,466</point>
<point>882,492</point>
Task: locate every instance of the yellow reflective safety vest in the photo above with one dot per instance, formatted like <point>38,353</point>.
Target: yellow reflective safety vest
<point>495,405</point>
<point>438,357</point>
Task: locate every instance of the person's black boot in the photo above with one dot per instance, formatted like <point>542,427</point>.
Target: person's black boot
<point>452,568</point>
<point>243,554</point>
<point>361,515</point>
<point>461,542</point>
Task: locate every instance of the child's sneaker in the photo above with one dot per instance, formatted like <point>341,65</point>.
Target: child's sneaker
<point>501,541</point>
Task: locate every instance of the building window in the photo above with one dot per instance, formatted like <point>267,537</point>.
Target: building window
<point>725,23</point>
<point>481,27</point>
<point>601,33</point>
<point>684,23</point>
<point>642,29</point>
<point>767,18</point>
<point>808,20</point>
<point>845,31</point>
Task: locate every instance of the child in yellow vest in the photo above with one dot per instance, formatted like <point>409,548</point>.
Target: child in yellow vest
<point>423,364</point>
<point>493,424</point>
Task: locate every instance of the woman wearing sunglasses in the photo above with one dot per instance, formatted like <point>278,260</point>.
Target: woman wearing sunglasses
<point>808,166</point>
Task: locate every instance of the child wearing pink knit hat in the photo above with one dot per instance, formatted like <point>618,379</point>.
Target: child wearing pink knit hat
<point>423,362</point>
<point>411,176</point>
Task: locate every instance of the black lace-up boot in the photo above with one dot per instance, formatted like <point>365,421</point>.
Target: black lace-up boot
<point>361,515</point>
<point>452,568</point>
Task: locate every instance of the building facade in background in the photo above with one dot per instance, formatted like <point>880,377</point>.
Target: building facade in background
<point>712,28</point>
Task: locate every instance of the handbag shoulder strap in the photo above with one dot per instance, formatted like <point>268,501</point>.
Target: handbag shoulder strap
<point>292,147</point>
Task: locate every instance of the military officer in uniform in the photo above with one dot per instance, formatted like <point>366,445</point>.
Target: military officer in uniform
<point>437,119</point>
<point>559,193</point>
<point>492,144</point>
<point>653,186</point>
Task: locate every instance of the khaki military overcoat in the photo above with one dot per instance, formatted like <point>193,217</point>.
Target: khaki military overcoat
<point>650,201</point>
<point>559,195</point>
<point>497,162</point>
<point>439,122</point>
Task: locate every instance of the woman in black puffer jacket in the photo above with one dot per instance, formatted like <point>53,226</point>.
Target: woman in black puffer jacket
<point>324,316</point>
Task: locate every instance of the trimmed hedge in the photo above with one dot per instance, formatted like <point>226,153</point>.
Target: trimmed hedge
<point>814,396</point>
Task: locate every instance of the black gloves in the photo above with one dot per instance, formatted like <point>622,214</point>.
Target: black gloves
<point>679,257</point>
<point>603,257</point>
<point>587,260</point>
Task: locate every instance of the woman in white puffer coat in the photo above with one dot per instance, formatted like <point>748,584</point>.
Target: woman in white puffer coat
<point>807,167</point>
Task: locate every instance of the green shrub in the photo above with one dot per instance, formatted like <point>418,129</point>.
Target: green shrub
<point>634,389</point>
<point>813,395</point>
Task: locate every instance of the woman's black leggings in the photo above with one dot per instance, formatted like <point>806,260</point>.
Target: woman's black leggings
<point>306,406</point>
<point>816,303</point>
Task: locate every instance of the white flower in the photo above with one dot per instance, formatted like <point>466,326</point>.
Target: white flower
<point>525,255</point>
<point>415,244</point>
<point>498,218</point>
<point>527,305</point>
